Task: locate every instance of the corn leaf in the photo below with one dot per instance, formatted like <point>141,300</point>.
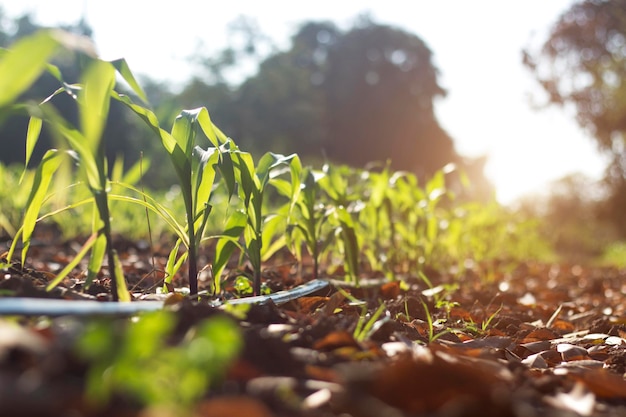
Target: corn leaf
<point>212,132</point>
<point>174,263</point>
<point>124,70</point>
<point>43,176</point>
<point>32,136</point>
<point>74,262</point>
<point>21,66</point>
<point>94,102</point>
<point>122,291</point>
<point>97,258</point>
<point>205,175</point>
<point>226,244</point>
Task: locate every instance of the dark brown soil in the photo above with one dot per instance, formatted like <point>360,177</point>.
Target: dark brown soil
<point>507,340</point>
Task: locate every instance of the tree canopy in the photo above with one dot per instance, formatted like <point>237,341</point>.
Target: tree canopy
<point>357,96</point>
<point>583,65</point>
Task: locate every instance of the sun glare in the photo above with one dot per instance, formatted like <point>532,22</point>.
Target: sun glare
<point>522,166</point>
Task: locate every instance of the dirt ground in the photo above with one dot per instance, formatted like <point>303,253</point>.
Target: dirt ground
<point>497,339</point>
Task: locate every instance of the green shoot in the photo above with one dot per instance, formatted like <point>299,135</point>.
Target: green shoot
<point>364,326</point>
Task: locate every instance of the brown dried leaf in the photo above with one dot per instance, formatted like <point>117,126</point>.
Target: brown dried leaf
<point>427,385</point>
<point>335,340</point>
<point>390,290</point>
<point>539,334</point>
<point>239,405</point>
<point>603,383</point>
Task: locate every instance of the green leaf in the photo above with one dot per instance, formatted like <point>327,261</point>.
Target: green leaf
<point>350,241</point>
<point>174,262</point>
<point>122,67</point>
<point>184,131</point>
<point>94,102</point>
<point>32,136</point>
<point>21,66</point>
<point>74,262</point>
<point>122,290</point>
<point>205,175</point>
<point>179,159</point>
<point>244,165</point>
<point>97,258</point>
<point>43,176</point>
<point>212,132</point>
<point>273,226</point>
<point>151,204</point>
<point>226,244</point>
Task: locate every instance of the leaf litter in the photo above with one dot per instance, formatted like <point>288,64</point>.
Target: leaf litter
<point>536,340</point>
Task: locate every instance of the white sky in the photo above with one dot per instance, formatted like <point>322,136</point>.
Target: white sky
<point>477,48</point>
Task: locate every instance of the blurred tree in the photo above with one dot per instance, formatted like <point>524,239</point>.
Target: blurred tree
<point>353,97</point>
<point>572,217</point>
<point>380,84</point>
<point>582,66</point>
<point>124,135</point>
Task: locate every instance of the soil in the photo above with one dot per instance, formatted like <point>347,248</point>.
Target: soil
<point>496,339</point>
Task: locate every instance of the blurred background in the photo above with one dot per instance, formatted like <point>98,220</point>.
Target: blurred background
<point>528,97</point>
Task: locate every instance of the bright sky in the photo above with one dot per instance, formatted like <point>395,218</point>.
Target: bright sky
<point>477,48</point>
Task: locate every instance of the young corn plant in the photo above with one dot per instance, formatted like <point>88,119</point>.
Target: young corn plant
<point>252,184</point>
<point>342,216</point>
<point>93,97</point>
<point>379,217</point>
<point>305,226</point>
<point>19,68</point>
<point>197,170</point>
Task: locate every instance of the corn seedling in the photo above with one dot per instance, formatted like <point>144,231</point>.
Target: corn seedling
<point>341,214</point>
<point>252,184</point>
<point>196,169</point>
<point>432,334</point>
<point>87,148</point>
<point>365,326</point>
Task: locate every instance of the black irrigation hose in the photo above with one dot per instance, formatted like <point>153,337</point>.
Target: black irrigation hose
<point>20,306</point>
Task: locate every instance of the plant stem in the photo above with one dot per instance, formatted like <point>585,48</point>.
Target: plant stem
<point>106,229</point>
<point>256,282</point>
<point>193,266</point>
<point>112,269</point>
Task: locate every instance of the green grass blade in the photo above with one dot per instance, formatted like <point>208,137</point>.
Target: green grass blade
<point>157,208</point>
<point>75,261</point>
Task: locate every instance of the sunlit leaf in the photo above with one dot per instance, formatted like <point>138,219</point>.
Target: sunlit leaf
<point>97,258</point>
<point>32,136</point>
<point>43,176</point>
<point>122,67</point>
<point>94,102</point>
<point>226,244</point>
<point>74,262</point>
<point>122,291</point>
<point>21,66</point>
